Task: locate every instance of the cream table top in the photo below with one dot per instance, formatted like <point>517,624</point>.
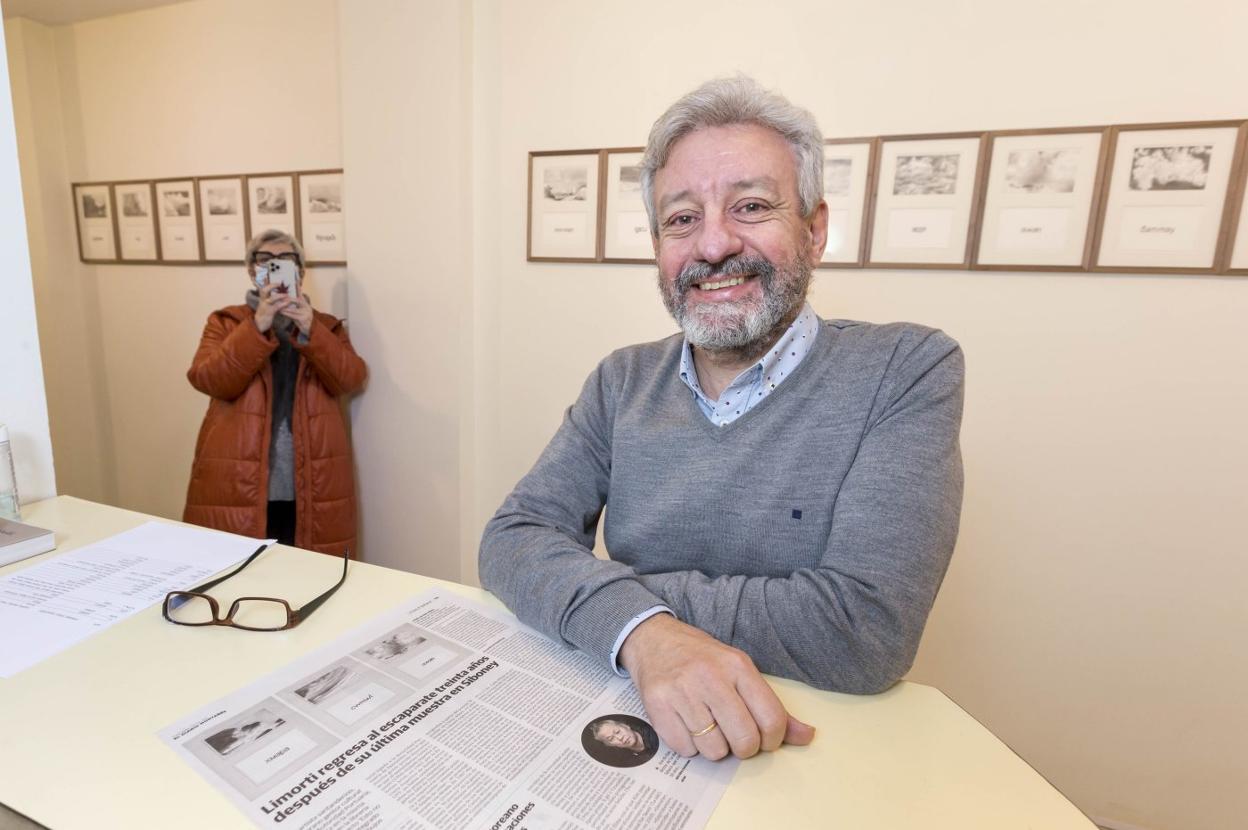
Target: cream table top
<point>80,750</point>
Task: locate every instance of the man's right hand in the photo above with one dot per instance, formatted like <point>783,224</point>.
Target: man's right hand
<point>689,680</point>
<point>268,307</point>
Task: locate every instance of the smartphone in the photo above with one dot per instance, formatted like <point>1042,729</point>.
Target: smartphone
<point>282,275</point>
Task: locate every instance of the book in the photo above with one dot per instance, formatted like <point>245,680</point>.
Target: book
<point>19,541</point>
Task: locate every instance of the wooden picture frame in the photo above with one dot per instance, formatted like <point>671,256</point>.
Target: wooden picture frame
<point>563,206</point>
<point>1040,199</point>
<point>1235,256</point>
<point>322,216</point>
<point>223,219</point>
<point>849,168</point>
<point>138,242</point>
<point>926,200</point>
<point>95,222</point>
<point>272,202</point>
<point>177,217</point>
<point>1165,207</point>
<point>626,236</point>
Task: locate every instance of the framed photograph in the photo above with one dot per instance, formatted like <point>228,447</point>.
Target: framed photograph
<point>1164,204</point>
<point>625,227</point>
<point>223,205</point>
<point>1237,245</point>
<point>925,196</point>
<point>563,206</point>
<point>1040,199</point>
<point>848,167</point>
<point>271,200</point>
<point>177,214</point>
<point>136,222</point>
<point>322,218</point>
<point>93,212</point>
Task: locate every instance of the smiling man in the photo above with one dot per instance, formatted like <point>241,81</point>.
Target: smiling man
<point>782,491</point>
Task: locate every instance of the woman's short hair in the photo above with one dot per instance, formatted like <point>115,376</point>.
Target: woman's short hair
<point>269,236</point>
<point>738,100</point>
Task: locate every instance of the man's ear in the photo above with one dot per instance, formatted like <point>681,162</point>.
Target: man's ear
<point>817,224</point>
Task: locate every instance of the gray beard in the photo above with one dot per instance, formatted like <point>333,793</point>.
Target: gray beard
<point>744,327</point>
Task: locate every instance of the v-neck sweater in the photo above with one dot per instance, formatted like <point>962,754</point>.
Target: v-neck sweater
<point>812,532</point>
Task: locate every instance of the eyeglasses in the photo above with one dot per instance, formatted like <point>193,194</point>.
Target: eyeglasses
<point>264,257</point>
<point>194,607</point>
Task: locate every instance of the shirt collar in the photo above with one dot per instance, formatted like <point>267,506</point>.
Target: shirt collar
<point>794,343</point>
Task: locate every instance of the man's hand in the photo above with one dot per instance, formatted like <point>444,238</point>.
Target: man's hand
<point>268,307</point>
<point>689,680</point>
<point>300,310</point>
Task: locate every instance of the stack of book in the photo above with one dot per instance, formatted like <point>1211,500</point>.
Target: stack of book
<point>18,541</point>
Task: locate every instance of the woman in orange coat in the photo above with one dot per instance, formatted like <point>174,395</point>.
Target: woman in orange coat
<point>273,458</point>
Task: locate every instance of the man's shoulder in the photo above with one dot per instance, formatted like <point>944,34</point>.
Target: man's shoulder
<point>899,339</point>
<point>642,357</point>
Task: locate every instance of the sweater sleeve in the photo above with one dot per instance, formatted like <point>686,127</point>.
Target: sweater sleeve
<point>853,623</point>
<point>536,553</point>
<point>230,354</point>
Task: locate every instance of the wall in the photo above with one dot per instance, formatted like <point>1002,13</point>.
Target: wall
<point>219,87</point>
<point>1092,617</point>
<point>23,407</point>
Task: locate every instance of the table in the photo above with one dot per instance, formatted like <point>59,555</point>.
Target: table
<point>80,746</point>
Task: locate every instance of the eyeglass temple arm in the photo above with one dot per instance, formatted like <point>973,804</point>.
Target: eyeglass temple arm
<point>201,588</point>
<point>300,614</point>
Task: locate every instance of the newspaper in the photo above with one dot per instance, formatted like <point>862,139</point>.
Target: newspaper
<point>444,713</point>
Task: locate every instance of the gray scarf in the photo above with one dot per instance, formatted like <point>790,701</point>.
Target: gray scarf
<point>285,362</point>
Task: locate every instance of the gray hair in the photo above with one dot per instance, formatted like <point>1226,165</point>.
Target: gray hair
<point>739,100</point>
<point>273,235</point>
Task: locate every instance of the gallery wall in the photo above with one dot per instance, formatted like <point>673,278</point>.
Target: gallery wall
<point>23,406</point>
<point>1090,614</point>
<point>219,87</point>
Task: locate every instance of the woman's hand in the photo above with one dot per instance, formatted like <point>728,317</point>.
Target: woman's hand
<point>269,307</point>
<point>300,310</point>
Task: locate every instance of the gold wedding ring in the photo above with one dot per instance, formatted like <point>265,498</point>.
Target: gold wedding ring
<point>709,727</point>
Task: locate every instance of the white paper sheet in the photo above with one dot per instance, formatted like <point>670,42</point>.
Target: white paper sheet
<point>66,599</point>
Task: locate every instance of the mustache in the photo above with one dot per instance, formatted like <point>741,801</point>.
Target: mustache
<point>734,266</point>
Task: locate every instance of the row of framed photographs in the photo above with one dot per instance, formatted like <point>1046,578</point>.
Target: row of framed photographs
<point>1165,198</point>
<point>207,220</point>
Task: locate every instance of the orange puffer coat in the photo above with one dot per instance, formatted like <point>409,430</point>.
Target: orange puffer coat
<point>229,487</point>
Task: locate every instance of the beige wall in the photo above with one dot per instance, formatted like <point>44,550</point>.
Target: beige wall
<point>201,88</point>
<point>1092,615</point>
<point>23,406</point>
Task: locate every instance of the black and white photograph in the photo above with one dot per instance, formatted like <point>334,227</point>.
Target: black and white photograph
<point>563,183</point>
<point>1039,196</point>
<point>319,688</point>
<point>177,210</point>
<point>134,204</point>
<point>221,200</point>
<point>136,227</point>
<point>1165,198</point>
<point>395,645</point>
<point>93,207</point>
<point>837,171</point>
<point>619,740</point>
<point>322,217</point>
<point>924,201</point>
<point>927,175</point>
<point>271,199</point>
<point>630,178</point>
<point>1042,171</point>
<point>1184,167</point>
<point>563,204</point>
<point>238,737</point>
<point>177,202</point>
<point>325,197</point>
<point>96,223</point>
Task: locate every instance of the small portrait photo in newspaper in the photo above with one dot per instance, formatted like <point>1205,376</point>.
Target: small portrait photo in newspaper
<point>619,740</point>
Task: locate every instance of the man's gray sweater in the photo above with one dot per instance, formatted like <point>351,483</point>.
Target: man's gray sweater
<point>812,532</point>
